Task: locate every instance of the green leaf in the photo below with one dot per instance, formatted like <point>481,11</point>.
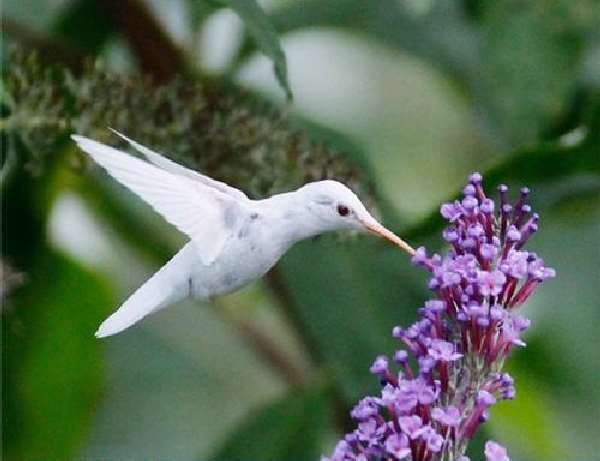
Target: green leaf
<point>439,34</point>
<point>290,428</point>
<point>532,55</point>
<point>200,10</point>
<point>264,33</point>
<point>52,364</point>
<point>518,66</point>
<point>86,24</point>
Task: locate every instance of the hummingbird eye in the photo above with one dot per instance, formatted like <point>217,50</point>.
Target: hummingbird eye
<point>343,210</point>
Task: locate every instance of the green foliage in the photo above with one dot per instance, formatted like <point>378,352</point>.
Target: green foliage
<point>397,25</point>
<point>549,163</point>
<point>88,21</point>
<point>52,365</point>
<point>522,69</point>
<point>291,428</point>
<point>261,29</point>
<point>529,78</point>
<point>519,64</point>
<point>223,131</point>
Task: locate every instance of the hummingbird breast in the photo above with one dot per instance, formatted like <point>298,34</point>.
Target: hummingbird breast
<point>251,251</point>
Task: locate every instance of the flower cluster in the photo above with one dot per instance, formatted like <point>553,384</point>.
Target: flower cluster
<point>431,405</point>
<point>223,131</point>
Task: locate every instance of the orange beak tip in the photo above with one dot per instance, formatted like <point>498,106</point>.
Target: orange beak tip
<point>381,231</point>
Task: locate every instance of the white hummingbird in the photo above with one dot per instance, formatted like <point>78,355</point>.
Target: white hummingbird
<point>233,240</point>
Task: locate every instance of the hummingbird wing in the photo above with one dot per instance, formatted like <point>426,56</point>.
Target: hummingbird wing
<point>205,214</point>
<point>170,284</point>
<point>172,167</point>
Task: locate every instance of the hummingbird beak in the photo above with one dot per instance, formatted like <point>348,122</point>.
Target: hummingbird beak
<point>375,228</point>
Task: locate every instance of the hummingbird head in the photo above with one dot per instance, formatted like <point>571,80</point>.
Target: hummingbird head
<point>336,207</point>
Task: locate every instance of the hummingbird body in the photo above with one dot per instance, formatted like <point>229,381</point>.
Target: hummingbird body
<point>233,240</point>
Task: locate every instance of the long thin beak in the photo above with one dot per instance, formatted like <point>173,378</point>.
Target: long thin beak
<point>375,228</point>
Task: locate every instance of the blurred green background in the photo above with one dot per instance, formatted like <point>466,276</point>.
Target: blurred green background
<point>421,93</point>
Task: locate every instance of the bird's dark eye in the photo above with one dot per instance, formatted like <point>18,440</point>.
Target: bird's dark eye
<point>343,210</point>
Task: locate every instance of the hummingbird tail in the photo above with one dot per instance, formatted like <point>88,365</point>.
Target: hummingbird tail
<point>167,286</point>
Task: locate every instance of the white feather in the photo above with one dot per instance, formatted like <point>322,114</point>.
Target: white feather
<point>169,285</point>
<point>194,208</point>
<point>172,167</point>
<point>237,239</point>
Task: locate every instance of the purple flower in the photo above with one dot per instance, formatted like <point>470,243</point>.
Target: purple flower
<point>475,177</point>
<point>538,271</point>
<point>411,425</point>
<point>516,264</point>
<point>495,452</point>
<point>420,257</point>
<point>475,230</point>
<point>460,341</point>
<point>365,409</point>
<point>426,364</point>
<point>401,397</point>
<point>509,393</point>
<point>496,313</point>
<point>450,278</point>
<point>513,234</point>
<point>370,431</point>
<point>450,235</point>
<point>490,283</point>
<point>380,365</point>
<point>449,417</point>
<point>474,309</point>
<point>397,446</point>
<point>422,392</point>
<point>400,356</point>
<point>520,323</point>
<point>488,251</point>
<point>451,211</point>
<point>469,203</point>
<point>487,206</point>
<point>434,441</point>
<point>435,305</point>
<point>485,399</point>
<point>503,385</point>
<point>465,265</point>
<point>390,395</point>
<point>469,189</point>
<point>512,329</point>
<point>430,436</point>
<point>443,351</point>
